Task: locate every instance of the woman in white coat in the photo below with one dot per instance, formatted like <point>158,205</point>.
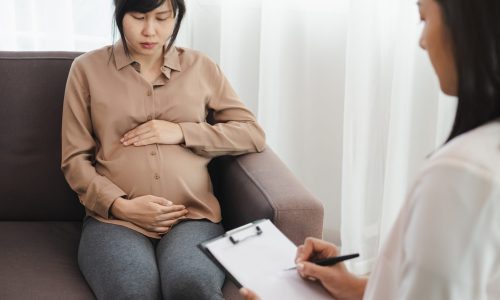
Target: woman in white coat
<point>445,243</point>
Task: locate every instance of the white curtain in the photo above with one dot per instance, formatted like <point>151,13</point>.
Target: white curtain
<point>394,117</point>
<point>64,25</point>
<point>346,97</point>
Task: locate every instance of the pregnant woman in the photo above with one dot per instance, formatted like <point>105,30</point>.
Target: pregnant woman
<point>135,148</point>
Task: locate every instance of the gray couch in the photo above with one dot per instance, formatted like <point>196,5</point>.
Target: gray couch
<point>40,216</point>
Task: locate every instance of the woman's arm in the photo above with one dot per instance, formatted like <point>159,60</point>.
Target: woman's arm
<point>447,246</point>
<point>95,192</point>
<point>235,130</point>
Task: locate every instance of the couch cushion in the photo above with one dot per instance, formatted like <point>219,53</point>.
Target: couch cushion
<point>39,261</point>
<point>31,96</point>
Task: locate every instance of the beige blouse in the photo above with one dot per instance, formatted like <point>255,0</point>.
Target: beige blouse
<point>106,96</point>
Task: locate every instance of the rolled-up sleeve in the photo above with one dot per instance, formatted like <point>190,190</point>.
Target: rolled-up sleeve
<point>235,130</point>
<point>96,192</point>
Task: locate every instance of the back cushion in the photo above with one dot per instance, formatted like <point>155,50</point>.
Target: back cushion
<point>32,186</point>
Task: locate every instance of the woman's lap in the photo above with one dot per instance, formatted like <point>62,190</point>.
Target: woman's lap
<point>119,263</point>
<point>190,274</point>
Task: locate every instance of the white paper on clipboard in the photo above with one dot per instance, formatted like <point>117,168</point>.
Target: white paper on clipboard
<point>256,256</point>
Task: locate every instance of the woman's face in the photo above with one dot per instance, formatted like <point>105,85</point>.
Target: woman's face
<point>436,39</point>
<point>146,33</point>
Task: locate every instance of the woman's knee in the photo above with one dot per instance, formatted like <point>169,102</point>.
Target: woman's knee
<point>193,286</point>
<point>118,263</point>
<point>129,283</point>
<point>126,285</point>
<point>146,289</point>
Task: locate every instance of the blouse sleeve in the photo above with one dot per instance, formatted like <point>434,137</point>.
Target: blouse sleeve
<point>235,130</point>
<point>445,245</point>
<point>95,191</point>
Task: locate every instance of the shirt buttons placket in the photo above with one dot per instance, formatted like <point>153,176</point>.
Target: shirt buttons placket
<point>150,93</point>
<point>153,153</point>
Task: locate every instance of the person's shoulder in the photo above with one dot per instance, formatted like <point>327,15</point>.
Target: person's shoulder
<point>478,148</point>
<point>453,194</point>
<point>98,57</point>
<point>194,58</point>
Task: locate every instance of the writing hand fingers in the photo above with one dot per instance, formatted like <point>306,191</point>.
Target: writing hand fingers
<point>315,248</point>
<point>311,271</point>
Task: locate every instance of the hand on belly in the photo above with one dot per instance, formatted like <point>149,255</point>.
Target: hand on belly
<point>154,214</point>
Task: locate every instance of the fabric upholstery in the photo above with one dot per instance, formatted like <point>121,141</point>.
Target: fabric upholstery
<point>38,261</point>
<point>31,182</point>
<point>40,216</point>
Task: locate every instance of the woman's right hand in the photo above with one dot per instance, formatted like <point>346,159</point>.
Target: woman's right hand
<point>337,280</point>
<point>152,213</point>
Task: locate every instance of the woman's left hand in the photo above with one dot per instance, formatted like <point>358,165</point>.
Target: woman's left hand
<point>154,132</point>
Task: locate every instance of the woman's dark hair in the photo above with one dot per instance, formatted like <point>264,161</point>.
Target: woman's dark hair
<point>474,26</point>
<point>143,6</point>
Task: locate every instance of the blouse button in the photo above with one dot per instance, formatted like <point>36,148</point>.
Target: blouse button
<point>153,153</point>
<point>157,176</point>
<point>150,93</point>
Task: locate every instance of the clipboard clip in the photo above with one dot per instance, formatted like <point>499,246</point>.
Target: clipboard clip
<point>235,240</point>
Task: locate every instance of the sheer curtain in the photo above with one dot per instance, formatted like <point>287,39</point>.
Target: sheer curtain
<point>346,97</point>
<point>394,116</point>
<point>348,100</point>
<point>65,25</point>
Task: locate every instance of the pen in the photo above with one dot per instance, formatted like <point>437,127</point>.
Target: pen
<point>330,261</point>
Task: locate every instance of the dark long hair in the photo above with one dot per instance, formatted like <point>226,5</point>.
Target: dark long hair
<point>143,6</point>
<point>475,31</point>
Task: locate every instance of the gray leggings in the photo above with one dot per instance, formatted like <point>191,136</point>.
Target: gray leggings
<point>120,263</point>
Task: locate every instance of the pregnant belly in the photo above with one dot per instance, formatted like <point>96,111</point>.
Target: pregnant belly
<point>168,171</point>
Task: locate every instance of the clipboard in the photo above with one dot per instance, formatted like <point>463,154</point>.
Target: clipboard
<point>255,256</point>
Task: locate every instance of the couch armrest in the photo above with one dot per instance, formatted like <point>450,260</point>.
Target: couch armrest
<point>259,185</point>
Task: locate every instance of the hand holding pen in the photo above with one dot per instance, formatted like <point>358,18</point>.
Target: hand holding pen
<point>318,260</point>
<point>313,250</point>
<point>329,261</point>
<point>334,277</point>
